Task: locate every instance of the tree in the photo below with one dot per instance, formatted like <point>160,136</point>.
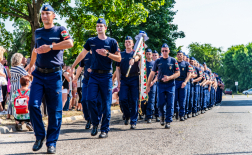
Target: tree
<point>237,66</point>
<point>28,10</point>
<point>206,53</point>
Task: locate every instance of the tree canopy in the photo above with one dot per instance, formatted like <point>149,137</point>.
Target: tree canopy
<point>123,17</point>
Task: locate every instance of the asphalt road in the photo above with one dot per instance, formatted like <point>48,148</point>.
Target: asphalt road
<point>227,129</point>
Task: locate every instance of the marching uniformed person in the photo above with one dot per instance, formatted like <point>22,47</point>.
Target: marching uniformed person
<point>104,50</point>
<point>155,56</point>
<point>86,64</point>
<point>201,105</point>
<point>191,97</point>
<point>181,86</point>
<point>188,90</point>
<point>168,71</point>
<point>151,95</point>
<point>129,85</point>
<point>206,87</point>
<point>50,42</point>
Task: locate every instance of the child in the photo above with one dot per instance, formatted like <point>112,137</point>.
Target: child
<point>25,117</point>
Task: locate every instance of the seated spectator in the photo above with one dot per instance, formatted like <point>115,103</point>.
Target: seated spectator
<point>22,95</point>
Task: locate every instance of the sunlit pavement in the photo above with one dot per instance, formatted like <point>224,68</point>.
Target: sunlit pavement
<point>226,129</point>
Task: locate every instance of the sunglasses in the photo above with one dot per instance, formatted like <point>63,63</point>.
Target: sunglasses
<point>164,51</point>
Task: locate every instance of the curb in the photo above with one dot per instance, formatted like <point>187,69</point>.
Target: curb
<point>11,127</point>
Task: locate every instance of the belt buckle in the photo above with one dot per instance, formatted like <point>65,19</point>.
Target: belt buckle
<point>45,70</point>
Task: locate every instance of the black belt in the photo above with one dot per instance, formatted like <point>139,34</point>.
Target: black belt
<point>101,71</point>
<point>161,81</point>
<point>180,79</point>
<point>48,70</point>
<point>130,75</point>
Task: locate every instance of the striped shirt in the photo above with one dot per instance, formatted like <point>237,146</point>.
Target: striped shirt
<point>16,73</point>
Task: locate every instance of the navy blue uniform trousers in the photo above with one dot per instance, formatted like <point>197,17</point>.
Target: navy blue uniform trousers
<point>166,96</point>
<point>190,105</point>
<point>51,85</point>
<point>100,83</point>
<point>84,102</point>
<point>129,85</point>
<point>187,97</point>
<point>195,98</point>
<point>180,98</point>
<point>151,101</point>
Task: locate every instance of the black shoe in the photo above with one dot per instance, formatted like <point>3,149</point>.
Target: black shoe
<point>19,127</point>
<point>145,119</point>
<point>133,126</point>
<point>94,131</point>
<point>210,108</point>
<point>202,111</point>
<point>157,119</point>
<point>149,121</point>
<point>123,117</point>
<point>126,122</point>
<point>162,121</point>
<point>185,117</point>
<point>188,115</point>
<point>88,125</point>
<point>182,118</point>
<point>140,116</point>
<point>206,109</point>
<point>38,144</point>
<point>177,115</point>
<point>196,114</point>
<point>29,126</point>
<point>103,135</point>
<point>193,115</point>
<point>167,126</point>
<point>51,150</point>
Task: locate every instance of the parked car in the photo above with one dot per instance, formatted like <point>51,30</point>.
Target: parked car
<point>228,91</point>
<point>246,92</point>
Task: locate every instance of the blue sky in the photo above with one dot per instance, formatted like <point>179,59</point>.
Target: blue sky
<point>222,23</point>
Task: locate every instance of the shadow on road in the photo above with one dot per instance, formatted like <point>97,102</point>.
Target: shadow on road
<point>237,103</point>
<point>228,153</point>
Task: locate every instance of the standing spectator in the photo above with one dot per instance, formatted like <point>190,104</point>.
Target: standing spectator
<point>65,86</point>
<point>6,88</point>
<point>2,74</point>
<point>24,90</point>
<point>74,91</point>
<point>79,91</point>
<point>17,71</point>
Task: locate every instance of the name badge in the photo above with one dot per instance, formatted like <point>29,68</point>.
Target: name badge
<point>38,38</point>
<point>107,46</point>
<point>92,45</point>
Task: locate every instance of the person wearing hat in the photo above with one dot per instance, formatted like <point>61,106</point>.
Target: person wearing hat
<point>206,86</point>
<point>201,95</point>
<point>196,88</point>
<point>191,97</point>
<point>168,71</point>
<point>151,95</point>
<point>155,56</point>
<point>104,51</point>
<point>50,42</point>
<point>181,86</point>
<point>188,87</point>
<point>128,85</point>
